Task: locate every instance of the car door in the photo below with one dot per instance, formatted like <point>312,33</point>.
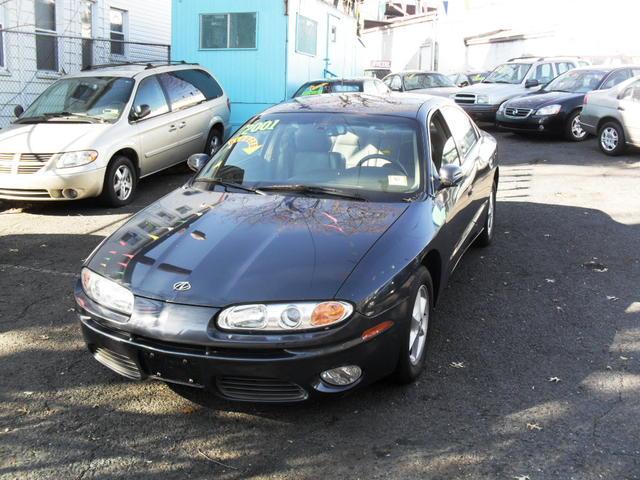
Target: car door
<point>192,107</point>
<point>154,130</point>
<point>470,200</point>
<point>629,107</point>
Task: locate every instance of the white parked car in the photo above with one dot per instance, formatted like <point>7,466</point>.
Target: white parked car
<point>97,132</point>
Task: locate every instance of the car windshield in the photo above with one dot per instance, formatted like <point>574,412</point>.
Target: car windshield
<point>317,88</point>
<point>576,81</point>
<point>90,98</point>
<point>417,81</point>
<point>367,155</point>
<point>508,73</point>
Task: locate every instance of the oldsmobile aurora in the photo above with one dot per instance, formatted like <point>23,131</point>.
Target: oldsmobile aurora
<point>304,259</point>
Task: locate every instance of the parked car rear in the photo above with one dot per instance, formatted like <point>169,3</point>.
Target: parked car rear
<point>368,85</point>
<point>97,132</point>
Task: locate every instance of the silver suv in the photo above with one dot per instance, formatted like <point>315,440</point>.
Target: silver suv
<point>518,76</point>
<point>97,132</point>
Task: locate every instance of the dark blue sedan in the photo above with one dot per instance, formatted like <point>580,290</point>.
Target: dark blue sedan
<point>304,259</point>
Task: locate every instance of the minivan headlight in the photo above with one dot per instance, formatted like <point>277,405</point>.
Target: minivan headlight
<point>549,110</point>
<point>106,292</point>
<point>284,316</point>
<point>75,159</point>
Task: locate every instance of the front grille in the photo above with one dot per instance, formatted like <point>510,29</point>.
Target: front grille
<point>118,363</point>
<point>22,193</point>
<point>465,98</point>
<point>24,163</point>
<point>517,112</point>
<point>255,389</point>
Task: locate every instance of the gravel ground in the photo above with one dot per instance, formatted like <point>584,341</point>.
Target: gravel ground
<point>533,362</point>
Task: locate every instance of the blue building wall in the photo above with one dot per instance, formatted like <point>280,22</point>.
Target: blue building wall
<point>254,79</point>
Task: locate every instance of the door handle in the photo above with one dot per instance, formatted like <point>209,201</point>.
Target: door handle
<point>172,128</point>
<point>621,109</point>
<point>182,124</point>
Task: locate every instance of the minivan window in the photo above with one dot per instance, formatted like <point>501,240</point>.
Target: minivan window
<point>182,93</point>
<point>98,98</point>
<point>150,93</point>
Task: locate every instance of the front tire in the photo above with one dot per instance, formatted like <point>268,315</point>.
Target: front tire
<point>486,236</point>
<point>573,130</point>
<point>611,139</point>
<point>120,183</point>
<point>414,341</point>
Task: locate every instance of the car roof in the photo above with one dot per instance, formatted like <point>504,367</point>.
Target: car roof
<point>130,70</point>
<point>360,103</point>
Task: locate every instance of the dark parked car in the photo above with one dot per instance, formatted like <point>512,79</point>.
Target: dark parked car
<point>556,108</point>
<point>416,81</point>
<point>368,85</point>
<point>304,259</point>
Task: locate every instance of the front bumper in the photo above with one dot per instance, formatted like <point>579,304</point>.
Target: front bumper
<point>532,123</point>
<point>49,185</point>
<point>244,372</point>
<point>480,113</point>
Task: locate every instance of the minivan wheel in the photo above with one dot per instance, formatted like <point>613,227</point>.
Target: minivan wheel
<point>573,130</point>
<point>214,142</point>
<point>414,338</point>
<point>119,182</point>
<point>611,138</point>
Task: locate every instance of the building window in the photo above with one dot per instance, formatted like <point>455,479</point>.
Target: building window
<point>306,35</point>
<point>118,19</point>
<point>228,30</point>
<point>46,40</point>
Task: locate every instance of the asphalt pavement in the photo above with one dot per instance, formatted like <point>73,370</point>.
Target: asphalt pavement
<point>533,363</point>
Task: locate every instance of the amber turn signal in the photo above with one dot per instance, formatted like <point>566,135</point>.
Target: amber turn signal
<point>327,313</point>
<point>377,330</point>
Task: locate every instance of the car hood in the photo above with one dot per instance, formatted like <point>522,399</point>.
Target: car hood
<point>537,100</point>
<point>438,91</point>
<point>495,91</point>
<point>236,247</point>
<point>50,137</point>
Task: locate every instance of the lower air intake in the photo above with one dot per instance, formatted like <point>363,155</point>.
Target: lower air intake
<point>118,363</point>
<point>255,389</point>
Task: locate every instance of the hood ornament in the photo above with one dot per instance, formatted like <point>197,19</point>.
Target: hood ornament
<point>181,286</point>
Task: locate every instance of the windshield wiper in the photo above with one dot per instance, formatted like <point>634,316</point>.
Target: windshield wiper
<point>334,192</point>
<point>71,115</point>
<point>226,184</point>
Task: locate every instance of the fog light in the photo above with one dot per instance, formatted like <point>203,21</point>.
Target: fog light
<point>69,193</point>
<point>341,376</point>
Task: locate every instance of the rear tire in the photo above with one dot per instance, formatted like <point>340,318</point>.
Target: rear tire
<point>611,139</point>
<point>485,238</point>
<point>415,337</point>
<point>120,182</point>
<point>573,130</point>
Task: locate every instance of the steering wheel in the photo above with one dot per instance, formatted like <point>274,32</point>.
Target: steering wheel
<point>383,157</point>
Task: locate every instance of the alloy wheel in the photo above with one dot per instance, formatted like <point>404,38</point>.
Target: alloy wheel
<point>419,325</point>
<point>609,139</point>
<point>490,214</point>
<point>576,128</point>
<point>123,184</point>
<point>214,144</point>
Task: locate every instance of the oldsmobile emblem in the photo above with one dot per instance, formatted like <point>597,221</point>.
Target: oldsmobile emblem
<point>181,286</point>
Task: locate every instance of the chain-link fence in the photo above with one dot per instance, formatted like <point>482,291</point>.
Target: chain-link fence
<point>31,61</point>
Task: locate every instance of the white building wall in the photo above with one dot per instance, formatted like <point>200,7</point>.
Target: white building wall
<point>343,55</point>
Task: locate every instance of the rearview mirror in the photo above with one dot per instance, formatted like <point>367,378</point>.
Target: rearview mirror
<point>197,161</point>
<point>532,82</point>
<point>140,111</point>
<point>18,110</point>
<point>450,176</point>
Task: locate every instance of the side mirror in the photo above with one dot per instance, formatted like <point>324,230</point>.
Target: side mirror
<point>532,82</point>
<point>450,176</point>
<point>197,161</point>
<point>18,110</point>
<point>463,84</point>
<point>140,111</point>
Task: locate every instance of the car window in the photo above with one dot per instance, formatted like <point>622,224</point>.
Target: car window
<point>543,73</point>
<point>632,92</point>
<point>150,93</point>
<point>512,73</point>
<point>461,128</point>
<point>382,88</point>
<point>562,67</point>
<point>576,81</point>
<point>417,81</point>
<point>616,77</point>
<point>396,83</point>
<point>181,91</point>
<point>202,81</point>
<point>443,146</point>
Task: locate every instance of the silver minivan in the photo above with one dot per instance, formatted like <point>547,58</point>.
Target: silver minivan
<point>97,132</point>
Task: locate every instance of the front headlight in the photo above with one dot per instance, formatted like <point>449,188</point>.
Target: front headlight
<point>106,292</point>
<point>284,316</point>
<point>549,110</point>
<point>75,159</point>
<point>502,106</point>
<point>482,99</point>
